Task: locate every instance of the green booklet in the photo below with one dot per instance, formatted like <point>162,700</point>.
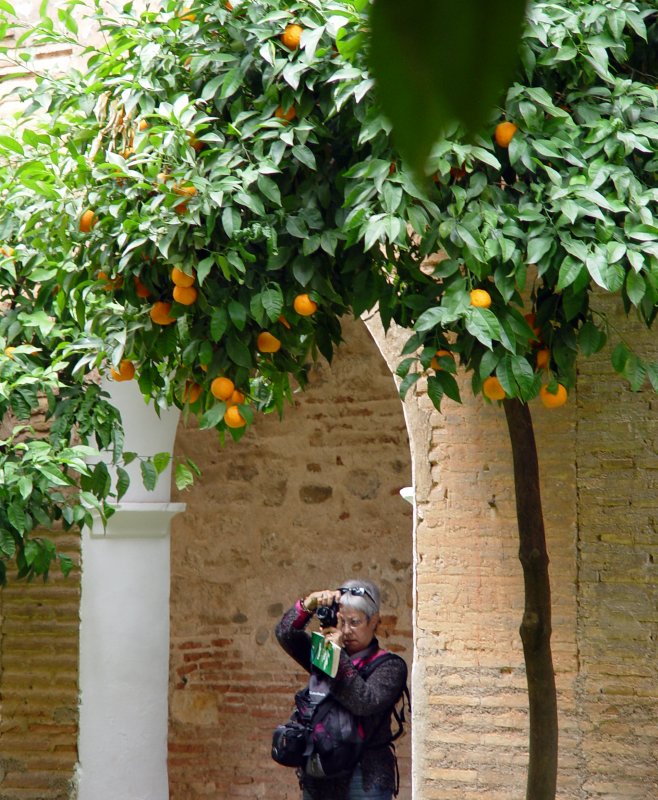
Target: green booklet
<point>324,655</point>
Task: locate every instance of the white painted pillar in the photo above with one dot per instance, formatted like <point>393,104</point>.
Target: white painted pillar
<point>124,627</point>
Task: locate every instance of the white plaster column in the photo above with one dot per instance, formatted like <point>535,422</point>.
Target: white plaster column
<point>124,626</point>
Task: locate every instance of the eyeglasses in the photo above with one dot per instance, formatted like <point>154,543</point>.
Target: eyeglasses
<point>357,591</point>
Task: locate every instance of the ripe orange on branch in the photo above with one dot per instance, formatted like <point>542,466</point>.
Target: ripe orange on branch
<point>291,36</point>
<point>126,371</point>
<point>493,389</point>
<point>235,399</point>
<point>180,278</point>
<point>87,221</point>
<point>267,343</point>
<point>191,392</point>
<point>480,298</point>
<point>185,295</point>
<point>435,364</point>
<point>504,133</point>
<point>159,313</point>
<point>233,418</point>
<point>543,358</point>
<point>287,115</point>
<point>140,288</point>
<point>304,306</point>
<point>222,388</point>
<point>551,400</point>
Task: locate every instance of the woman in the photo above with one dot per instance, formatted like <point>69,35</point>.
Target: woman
<point>371,697</point>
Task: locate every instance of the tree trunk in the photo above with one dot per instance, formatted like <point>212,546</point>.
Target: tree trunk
<point>536,624</point>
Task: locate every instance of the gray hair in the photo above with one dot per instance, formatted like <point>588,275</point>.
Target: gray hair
<point>368,603</point>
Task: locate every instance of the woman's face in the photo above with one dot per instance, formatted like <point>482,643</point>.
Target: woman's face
<point>358,631</point>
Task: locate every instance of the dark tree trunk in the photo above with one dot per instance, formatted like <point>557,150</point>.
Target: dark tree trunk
<point>536,623</point>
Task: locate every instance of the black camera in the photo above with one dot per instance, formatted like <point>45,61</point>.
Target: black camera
<point>327,615</point>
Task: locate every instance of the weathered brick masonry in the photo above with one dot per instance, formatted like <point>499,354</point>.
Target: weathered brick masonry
<point>295,506</point>
<point>39,684</point>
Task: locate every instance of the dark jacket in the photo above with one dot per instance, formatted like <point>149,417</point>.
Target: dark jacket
<point>372,699</point>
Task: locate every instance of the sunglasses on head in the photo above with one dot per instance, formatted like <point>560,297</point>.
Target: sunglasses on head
<point>357,591</point>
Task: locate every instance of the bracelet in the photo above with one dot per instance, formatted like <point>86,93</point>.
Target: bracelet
<point>303,607</point>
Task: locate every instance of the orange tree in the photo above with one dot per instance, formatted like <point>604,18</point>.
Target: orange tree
<point>198,206</point>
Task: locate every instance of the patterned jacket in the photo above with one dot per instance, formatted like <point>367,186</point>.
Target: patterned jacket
<point>372,699</point>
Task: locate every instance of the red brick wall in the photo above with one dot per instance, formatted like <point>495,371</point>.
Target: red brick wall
<point>296,506</point>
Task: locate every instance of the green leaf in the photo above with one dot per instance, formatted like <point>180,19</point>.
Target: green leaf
<point>149,474</point>
<point>7,543</point>
<point>238,352</point>
<point>448,385</point>
<point>408,382</point>
<point>590,339</point>
<point>537,248</point>
<point>635,287</point>
<point>184,477</point>
<point>8,143</point>
<point>238,314</point>
<point>272,300</point>
<point>123,482</point>
<point>212,417</point>
<point>218,323</point>
<point>427,60</point>
<point>619,357</point>
<point>483,324</point>
<point>161,461</point>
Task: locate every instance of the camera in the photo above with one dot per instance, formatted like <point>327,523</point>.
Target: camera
<point>327,615</point>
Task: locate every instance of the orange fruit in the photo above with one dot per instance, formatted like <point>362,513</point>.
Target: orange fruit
<point>194,143</point>
<point>9,352</point>
<point>180,278</point>
<point>292,36</point>
<point>504,133</point>
<point>185,295</point>
<point>531,319</point>
<point>233,418</point>
<point>143,125</point>
<point>162,178</point>
<point>228,5</point>
<point>480,298</point>
<point>159,313</point>
<point>141,289</point>
<point>191,392</point>
<point>551,400</point>
<point>8,252</point>
<point>186,15</point>
<point>235,399</point>
<point>181,208</point>
<point>493,389</point>
<point>184,191</point>
<point>126,371</point>
<point>129,151</point>
<point>87,221</point>
<point>457,173</point>
<point>110,283</point>
<point>543,358</point>
<point>435,364</point>
<point>288,115</point>
<point>267,343</point>
<point>304,306</point>
<point>284,321</point>
<point>222,388</point>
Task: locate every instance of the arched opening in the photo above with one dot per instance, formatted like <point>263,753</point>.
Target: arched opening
<point>297,505</point>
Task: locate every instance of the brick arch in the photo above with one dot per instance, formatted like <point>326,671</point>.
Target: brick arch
<point>298,504</point>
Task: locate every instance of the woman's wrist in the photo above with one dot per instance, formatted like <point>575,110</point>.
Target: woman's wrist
<point>304,607</point>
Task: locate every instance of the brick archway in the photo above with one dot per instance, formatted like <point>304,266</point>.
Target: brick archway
<point>297,505</point>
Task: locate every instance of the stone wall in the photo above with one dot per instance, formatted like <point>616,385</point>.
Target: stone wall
<point>297,505</point>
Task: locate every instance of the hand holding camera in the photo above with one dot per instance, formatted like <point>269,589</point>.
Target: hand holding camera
<point>325,605</point>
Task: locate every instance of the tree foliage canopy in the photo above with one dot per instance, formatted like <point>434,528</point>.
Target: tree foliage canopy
<point>198,139</point>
